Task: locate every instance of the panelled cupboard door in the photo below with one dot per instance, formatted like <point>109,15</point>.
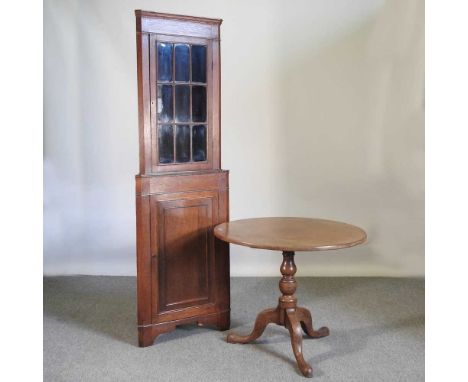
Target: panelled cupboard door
<point>183,248</point>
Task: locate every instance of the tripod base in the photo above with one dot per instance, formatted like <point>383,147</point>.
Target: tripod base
<point>287,314</point>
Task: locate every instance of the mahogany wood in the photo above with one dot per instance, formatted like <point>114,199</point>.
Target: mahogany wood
<point>288,235</point>
<point>182,269</point>
<point>286,314</point>
<point>152,26</point>
<point>291,234</point>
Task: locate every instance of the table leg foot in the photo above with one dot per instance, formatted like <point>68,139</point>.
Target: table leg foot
<point>305,318</point>
<point>264,318</point>
<point>294,328</point>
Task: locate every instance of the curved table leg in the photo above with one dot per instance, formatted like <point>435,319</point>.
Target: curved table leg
<point>305,319</point>
<point>294,328</point>
<point>264,318</point>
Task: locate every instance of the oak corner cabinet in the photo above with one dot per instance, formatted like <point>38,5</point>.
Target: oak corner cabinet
<point>181,190</point>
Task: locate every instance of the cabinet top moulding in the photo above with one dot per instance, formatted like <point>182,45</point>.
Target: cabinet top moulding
<point>177,25</point>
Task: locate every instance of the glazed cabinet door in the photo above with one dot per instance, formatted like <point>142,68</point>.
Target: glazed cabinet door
<point>182,86</point>
<point>183,248</point>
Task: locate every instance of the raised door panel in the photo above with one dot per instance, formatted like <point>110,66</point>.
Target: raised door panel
<point>183,253</point>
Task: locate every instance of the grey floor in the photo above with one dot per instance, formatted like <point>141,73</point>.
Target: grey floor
<point>376,325</point>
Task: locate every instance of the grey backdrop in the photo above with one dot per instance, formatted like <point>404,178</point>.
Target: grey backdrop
<point>322,115</point>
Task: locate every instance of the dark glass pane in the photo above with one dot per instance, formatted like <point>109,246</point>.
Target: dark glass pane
<point>166,144</point>
<point>165,109</point>
<point>198,63</point>
<point>164,61</point>
<point>182,64</point>
<point>199,103</point>
<point>199,143</point>
<point>183,143</point>
<point>182,103</point>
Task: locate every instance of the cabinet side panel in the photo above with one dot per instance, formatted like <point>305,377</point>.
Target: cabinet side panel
<point>142,41</point>
<point>216,104</point>
<point>222,256</point>
<point>143,259</point>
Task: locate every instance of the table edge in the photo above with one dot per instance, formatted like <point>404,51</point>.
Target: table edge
<point>292,249</point>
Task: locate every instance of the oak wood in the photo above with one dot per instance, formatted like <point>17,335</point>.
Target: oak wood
<point>305,318</point>
<point>143,260</point>
<point>153,27</point>
<point>177,25</point>
<point>185,250</point>
<point>147,334</point>
<point>144,119</point>
<point>182,270</point>
<point>286,314</point>
<point>212,122</point>
<point>290,234</point>
<point>292,324</point>
<point>264,318</point>
<point>172,16</point>
<point>182,182</point>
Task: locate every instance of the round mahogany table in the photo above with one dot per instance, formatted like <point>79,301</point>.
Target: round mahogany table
<point>288,235</point>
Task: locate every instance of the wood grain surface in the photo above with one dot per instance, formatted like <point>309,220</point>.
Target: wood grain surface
<point>290,234</point>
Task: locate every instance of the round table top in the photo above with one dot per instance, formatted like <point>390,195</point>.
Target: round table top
<point>290,234</point>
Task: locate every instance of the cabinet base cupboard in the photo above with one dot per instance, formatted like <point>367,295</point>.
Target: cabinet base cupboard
<point>181,190</point>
